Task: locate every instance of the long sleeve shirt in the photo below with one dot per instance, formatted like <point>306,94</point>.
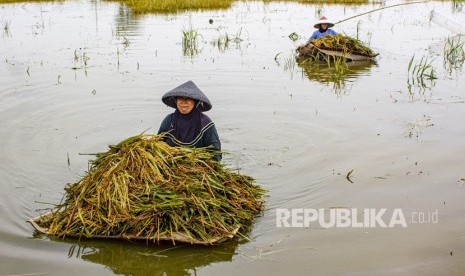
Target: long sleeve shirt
<point>208,136</point>
<point>317,34</point>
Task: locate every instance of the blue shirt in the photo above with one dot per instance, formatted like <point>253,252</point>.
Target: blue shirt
<point>317,34</point>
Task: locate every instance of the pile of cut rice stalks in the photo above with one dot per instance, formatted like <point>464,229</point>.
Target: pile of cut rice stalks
<point>343,43</point>
<point>143,188</point>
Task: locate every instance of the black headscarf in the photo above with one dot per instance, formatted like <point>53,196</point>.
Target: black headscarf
<point>321,29</point>
<point>186,127</point>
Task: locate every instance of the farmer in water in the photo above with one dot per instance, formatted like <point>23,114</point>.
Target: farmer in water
<point>323,25</point>
<point>188,126</point>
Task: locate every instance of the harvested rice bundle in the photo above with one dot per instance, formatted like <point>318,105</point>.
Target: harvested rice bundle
<point>343,43</point>
<point>144,188</point>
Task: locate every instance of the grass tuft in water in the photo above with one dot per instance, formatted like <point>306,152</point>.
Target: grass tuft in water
<point>190,44</point>
<point>420,71</point>
<point>454,54</point>
<point>290,63</point>
<point>222,41</point>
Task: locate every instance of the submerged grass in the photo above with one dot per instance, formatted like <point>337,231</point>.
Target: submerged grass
<point>144,188</point>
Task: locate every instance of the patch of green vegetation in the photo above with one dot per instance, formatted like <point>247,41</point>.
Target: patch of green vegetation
<point>190,45</point>
<point>419,72</point>
<point>172,6</point>
<point>454,54</point>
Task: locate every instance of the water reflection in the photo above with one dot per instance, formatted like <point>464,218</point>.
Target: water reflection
<point>337,75</point>
<point>126,23</point>
<point>141,259</point>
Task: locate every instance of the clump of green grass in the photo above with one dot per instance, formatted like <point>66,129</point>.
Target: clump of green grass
<point>142,187</point>
<point>173,6</point>
<point>290,63</point>
<point>454,54</point>
<point>190,42</point>
<point>222,41</point>
<point>419,72</point>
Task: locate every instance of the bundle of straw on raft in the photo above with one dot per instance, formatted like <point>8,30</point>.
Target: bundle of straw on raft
<point>344,44</point>
<point>144,188</point>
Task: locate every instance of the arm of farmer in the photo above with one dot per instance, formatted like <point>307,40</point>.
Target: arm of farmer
<point>212,139</point>
<point>332,32</point>
<point>313,36</point>
<point>165,124</point>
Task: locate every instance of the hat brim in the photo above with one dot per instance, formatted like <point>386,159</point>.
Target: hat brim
<point>188,90</point>
<point>330,24</point>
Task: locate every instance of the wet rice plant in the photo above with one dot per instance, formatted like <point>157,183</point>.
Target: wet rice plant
<point>289,64</point>
<point>142,187</point>
<point>421,71</point>
<point>222,42</point>
<point>454,54</point>
<point>190,42</point>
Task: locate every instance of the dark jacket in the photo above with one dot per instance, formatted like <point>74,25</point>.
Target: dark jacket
<point>208,136</point>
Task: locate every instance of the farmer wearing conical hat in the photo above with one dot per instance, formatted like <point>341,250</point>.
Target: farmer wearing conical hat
<point>323,25</point>
<point>188,126</point>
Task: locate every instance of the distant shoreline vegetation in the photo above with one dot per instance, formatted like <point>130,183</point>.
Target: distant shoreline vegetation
<point>173,6</point>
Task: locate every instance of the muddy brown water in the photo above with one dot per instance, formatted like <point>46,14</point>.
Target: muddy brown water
<point>77,76</point>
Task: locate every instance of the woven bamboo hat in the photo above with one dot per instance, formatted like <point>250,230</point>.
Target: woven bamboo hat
<point>188,90</point>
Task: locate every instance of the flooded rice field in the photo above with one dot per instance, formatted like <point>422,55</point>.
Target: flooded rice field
<point>77,76</point>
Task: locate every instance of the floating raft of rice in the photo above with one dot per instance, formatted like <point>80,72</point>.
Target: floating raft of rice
<point>338,46</point>
<point>144,189</point>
